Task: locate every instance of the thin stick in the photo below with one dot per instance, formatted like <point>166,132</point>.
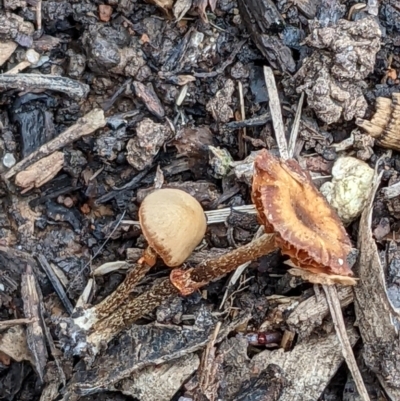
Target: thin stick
<point>347,350</point>
<point>39,15</point>
<point>6,324</point>
<point>296,125</point>
<point>29,82</point>
<point>276,114</point>
<point>84,126</point>
<point>56,283</point>
<point>242,131</point>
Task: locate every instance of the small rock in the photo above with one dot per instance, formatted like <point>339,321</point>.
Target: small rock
<point>350,187</point>
<point>149,138</point>
<point>382,229</point>
<point>220,162</point>
<point>9,160</point>
<point>105,12</point>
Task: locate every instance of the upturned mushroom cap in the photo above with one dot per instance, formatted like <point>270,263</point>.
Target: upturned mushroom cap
<point>173,223</point>
<point>307,229</point>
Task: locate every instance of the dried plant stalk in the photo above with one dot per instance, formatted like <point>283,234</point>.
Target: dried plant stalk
<point>337,317</point>
<point>35,334</point>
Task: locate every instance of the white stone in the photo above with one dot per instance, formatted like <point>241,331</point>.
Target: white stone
<point>9,160</point>
<point>350,187</point>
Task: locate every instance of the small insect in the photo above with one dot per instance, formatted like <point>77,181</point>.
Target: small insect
<point>263,338</point>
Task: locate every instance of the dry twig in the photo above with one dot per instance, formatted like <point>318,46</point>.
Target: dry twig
<point>347,350</point>
<point>31,82</point>
<point>6,324</point>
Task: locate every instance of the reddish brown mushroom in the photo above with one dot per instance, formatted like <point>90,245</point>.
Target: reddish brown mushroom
<point>307,229</point>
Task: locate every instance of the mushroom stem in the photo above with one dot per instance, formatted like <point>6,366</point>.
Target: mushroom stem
<point>105,308</point>
<point>188,281</point>
<point>119,296</point>
<point>105,330</point>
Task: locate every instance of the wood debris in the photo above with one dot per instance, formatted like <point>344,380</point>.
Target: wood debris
<point>35,333</point>
<point>40,172</point>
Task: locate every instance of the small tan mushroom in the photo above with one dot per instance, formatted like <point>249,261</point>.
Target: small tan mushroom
<point>173,223</point>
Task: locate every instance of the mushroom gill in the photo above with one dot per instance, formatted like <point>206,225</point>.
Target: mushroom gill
<point>306,228</point>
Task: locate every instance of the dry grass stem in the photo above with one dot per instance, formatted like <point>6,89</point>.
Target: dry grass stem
<point>347,350</point>
<point>276,114</point>
<point>295,129</point>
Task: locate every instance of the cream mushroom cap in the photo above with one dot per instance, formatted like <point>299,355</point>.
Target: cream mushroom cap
<point>173,223</point>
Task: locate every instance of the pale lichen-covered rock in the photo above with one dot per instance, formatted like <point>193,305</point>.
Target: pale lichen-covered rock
<point>350,187</point>
<point>220,161</point>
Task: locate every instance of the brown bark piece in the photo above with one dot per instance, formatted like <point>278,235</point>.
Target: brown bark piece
<point>309,367</point>
<point>13,343</point>
<point>150,137</point>
<point>159,382</point>
<point>149,97</point>
<point>311,312</point>
<point>6,50</point>
<point>261,18</point>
